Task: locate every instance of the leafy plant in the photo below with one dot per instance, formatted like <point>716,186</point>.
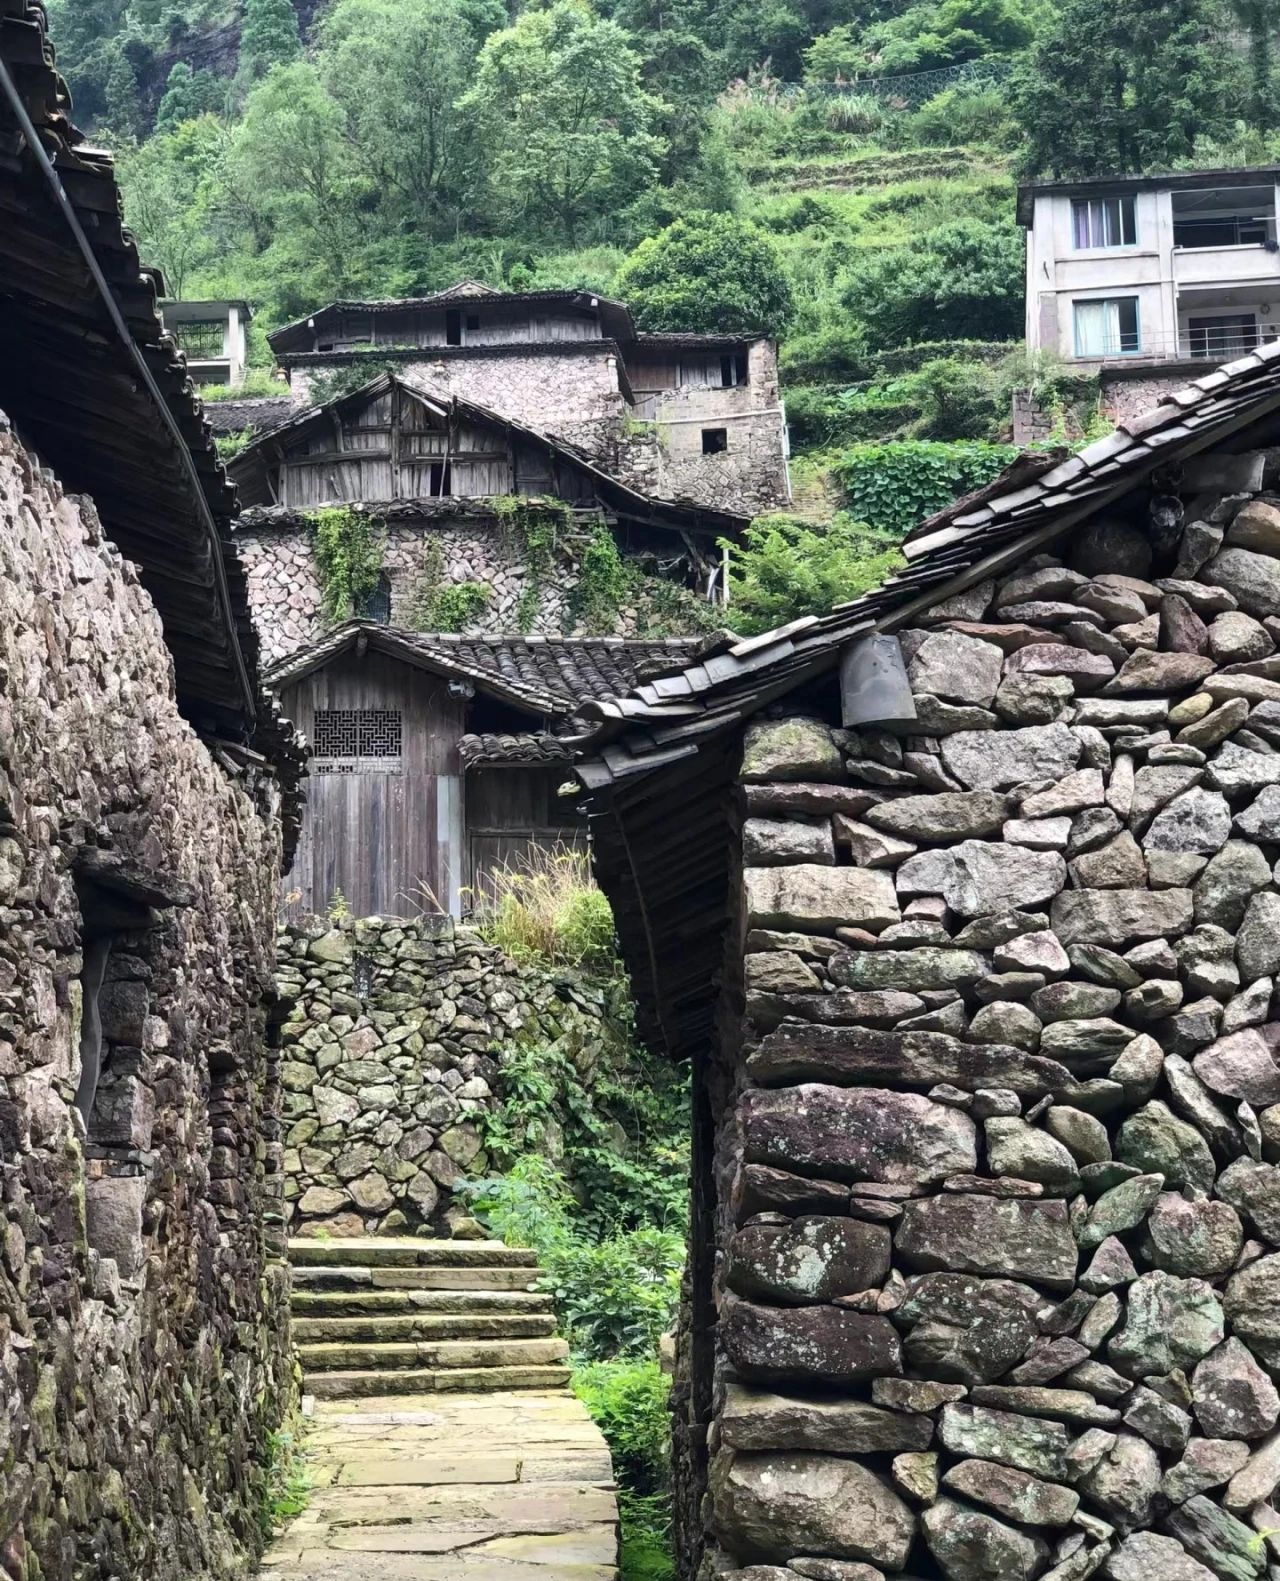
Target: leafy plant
<point>455,606</point>
<point>894,486</point>
<point>603,583</point>
<point>288,1481</point>
<point>628,1401</point>
<point>538,526</point>
<point>348,548</point>
<point>229,446</point>
<point>785,568</point>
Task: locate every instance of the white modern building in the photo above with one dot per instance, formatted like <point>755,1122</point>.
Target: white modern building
<point>214,335</point>
<point>1135,273</point>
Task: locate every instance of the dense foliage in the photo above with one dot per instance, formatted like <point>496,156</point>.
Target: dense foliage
<point>894,486</point>
<point>785,568</point>
<point>707,272</point>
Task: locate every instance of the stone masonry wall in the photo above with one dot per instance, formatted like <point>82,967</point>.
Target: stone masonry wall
<point>1121,397</point>
<point>285,592</point>
<point>143,1324</point>
<point>393,1049</point>
<point>1000,1291</point>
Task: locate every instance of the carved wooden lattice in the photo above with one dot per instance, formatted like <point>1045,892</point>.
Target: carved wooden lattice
<point>356,741</point>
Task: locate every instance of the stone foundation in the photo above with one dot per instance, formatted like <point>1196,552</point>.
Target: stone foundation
<point>998,1139</point>
<point>392,1054</point>
<point>144,1353</point>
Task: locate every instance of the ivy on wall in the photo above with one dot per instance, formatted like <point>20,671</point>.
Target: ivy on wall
<point>537,526</point>
<point>348,549</point>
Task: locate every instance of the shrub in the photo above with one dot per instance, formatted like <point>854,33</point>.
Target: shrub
<point>964,115</point>
<point>962,279</point>
<point>455,606</point>
<point>615,1293</point>
<point>894,486</point>
<point>707,273</point>
<point>546,906</point>
<point>784,568</point>
<point>956,399</point>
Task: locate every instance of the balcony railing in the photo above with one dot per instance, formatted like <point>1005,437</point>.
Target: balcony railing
<point>1209,345</point>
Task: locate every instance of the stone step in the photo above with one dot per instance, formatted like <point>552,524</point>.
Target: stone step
<point>406,1252</point>
<point>441,1354</point>
<point>375,1328</point>
<point>353,1278</point>
<point>361,1302</point>
<point>364,1384</point>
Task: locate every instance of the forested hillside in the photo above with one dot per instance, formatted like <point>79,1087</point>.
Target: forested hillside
<point>858,157</point>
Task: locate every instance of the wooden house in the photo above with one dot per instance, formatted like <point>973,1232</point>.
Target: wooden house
<point>436,759</point>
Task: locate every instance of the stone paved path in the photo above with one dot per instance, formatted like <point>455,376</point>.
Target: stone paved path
<point>453,1487</point>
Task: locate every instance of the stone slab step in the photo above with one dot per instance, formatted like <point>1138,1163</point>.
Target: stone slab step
<point>374,1328</point>
<point>433,1353</point>
<point>363,1384</point>
<point>345,1277</point>
<point>360,1302</point>
<point>406,1252</point>
<point>325,1564</point>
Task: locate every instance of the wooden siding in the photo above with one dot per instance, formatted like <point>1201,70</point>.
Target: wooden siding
<point>509,811</point>
<point>394,448</point>
<point>379,837</point>
<point>498,327</point>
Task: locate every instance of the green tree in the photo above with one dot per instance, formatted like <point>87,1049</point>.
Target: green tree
<point>566,126</point>
<point>961,281</point>
<point>707,272</point>
<point>122,105</point>
<point>187,94</point>
<point>268,37</point>
<point>1117,86</point>
<point>302,212</point>
<point>167,188</point>
<point>396,69</point>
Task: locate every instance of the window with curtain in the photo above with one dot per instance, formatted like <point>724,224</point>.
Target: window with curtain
<point>1107,327</point>
<point>1103,222</point>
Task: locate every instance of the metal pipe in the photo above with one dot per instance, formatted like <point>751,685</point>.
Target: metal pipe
<point>167,418</point>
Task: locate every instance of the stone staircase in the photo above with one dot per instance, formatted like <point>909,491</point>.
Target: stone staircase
<point>384,1316</point>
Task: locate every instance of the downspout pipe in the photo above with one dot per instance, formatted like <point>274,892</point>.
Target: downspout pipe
<point>52,180</point>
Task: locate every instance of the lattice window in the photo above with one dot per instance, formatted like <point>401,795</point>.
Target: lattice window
<point>356,741</point>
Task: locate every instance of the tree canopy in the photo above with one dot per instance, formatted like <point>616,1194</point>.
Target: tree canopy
<point>710,273</point>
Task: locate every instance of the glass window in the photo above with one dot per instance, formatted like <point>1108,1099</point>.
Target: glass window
<point>1103,222</point>
<point>1107,327</point>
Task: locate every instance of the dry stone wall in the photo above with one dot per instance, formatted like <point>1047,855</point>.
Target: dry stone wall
<point>1000,1283</point>
<point>143,1322</point>
<point>393,1047</point>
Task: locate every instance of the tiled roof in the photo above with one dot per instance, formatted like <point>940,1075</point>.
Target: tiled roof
<point>546,675</point>
<point>514,750</point>
<point>260,415</point>
<point>1038,497</point>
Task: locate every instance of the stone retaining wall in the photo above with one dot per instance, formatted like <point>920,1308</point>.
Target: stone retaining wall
<point>999,1284</point>
<point>392,1052</point>
<point>144,1335</point>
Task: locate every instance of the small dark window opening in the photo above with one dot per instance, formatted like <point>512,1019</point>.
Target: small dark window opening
<point>441,482</point>
<point>377,607</point>
<point>453,327</point>
<point>726,372</point>
<point>473,321</point>
<point>715,441</point>
<point>97,951</point>
<point>325,345</point>
<point>740,366</point>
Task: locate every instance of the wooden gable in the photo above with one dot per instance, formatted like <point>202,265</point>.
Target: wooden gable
<point>393,446</point>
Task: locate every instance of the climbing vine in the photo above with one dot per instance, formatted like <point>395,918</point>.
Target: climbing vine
<point>437,605</point>
<point>537,525</point>
<point>604,583</point>
<point>348,550</point>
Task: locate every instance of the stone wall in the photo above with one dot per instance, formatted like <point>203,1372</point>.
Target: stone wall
<point>393,1048</point>
<point>285,591</point>
<point>999,1288</point>
<point>1123,397</point>
<point>143,1323</point>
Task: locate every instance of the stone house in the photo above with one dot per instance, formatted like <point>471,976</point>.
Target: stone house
<point>1147,278</point>
<point>438,760</point>
<point>452,489</point>
<point>963,902</point>
<point>687,417</point>
<point>147,797</point>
